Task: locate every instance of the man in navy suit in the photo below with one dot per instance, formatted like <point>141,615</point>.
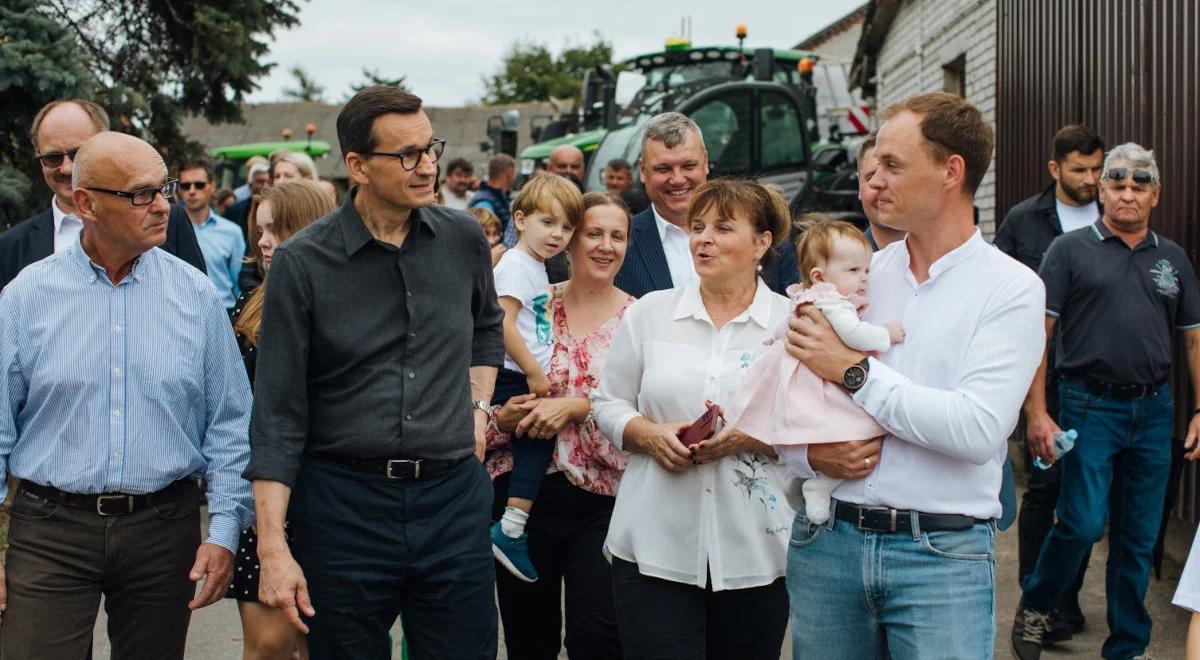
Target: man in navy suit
<point>58,130</point>
<point>674,163</point>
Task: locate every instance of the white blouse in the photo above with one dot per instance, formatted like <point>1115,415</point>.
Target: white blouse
<point>729,519</point>
<point>1187,594</point>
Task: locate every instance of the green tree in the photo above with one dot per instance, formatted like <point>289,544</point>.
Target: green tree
<point>529,72</point>
<point>373,77</point>
<point>306,88</point>
<point>148,62</point>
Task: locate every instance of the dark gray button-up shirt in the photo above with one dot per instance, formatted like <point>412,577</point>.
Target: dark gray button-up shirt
<point>366,348</point>
<point>1118,308</point>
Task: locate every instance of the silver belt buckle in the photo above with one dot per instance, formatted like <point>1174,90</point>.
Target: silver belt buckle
<point>114,498</point>
<point>862,527</point>
<point>401,461</point>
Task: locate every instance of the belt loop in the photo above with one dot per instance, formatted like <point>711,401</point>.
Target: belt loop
<point>915,524</point>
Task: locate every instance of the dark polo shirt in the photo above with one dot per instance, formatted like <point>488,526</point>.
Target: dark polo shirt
<point>366,347</point>
<point>1118,308</point>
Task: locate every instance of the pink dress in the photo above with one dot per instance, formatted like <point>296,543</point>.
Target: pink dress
<point>781,402</point>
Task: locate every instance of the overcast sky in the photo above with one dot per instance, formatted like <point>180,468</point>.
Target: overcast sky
<point>445,47</point>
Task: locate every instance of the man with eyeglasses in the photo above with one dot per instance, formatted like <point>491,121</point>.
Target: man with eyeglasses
<point>381,340</point>
<point>221,241</point>
<point>122,387</point>
<point>58,130</point>
<point>1118,292</point>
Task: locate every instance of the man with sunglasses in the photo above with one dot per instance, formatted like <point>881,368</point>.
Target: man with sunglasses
<point>221,241</point>
<point>1118,292</point>
<point>123,386</point>
<point>58,130</point>
<point>381,340</point>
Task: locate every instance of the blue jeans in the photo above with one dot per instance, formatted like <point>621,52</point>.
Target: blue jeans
<point>1126,446</point>
<point>917,594</point>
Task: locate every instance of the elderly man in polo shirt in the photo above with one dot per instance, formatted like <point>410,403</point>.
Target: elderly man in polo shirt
<point>1118,292</point>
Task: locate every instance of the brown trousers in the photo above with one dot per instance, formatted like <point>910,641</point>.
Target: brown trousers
<point>61,559</point>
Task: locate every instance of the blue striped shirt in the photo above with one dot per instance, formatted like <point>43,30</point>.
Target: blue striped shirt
<point>124,388</point>
<point>223,247</point>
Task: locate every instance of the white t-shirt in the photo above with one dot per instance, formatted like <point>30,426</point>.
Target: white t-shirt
<point>1076,217</point>
<point>1187,594</point>
<point>520,276</point>
<point>454,201</point>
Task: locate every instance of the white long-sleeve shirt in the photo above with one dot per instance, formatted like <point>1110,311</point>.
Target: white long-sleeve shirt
<point>951,393</point>
<point>731,517</point>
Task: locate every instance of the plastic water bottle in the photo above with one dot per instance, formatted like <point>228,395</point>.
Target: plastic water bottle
<point>1064,441</point>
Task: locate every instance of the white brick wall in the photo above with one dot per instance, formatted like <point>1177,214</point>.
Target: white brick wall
<point>926,35</point>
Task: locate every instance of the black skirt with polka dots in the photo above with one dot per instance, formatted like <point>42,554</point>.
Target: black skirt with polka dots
<point>245,569</point>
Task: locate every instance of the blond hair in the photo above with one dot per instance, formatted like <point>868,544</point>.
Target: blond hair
<point>814,248</point>
<point>486,219</point>
<point>302,161</point>
<point>539,194</point>
<point>294,206</point>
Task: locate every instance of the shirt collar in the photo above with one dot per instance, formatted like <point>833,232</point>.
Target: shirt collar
<point>692,305</point>
<point>61,216</point>
<point>662,224</point>
<point>1103,233</point>
<point>95,272</point>
<point>354,228</point>
<point>951,258</point>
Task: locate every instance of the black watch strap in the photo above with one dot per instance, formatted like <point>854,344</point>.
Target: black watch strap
<point>855,376</point>
<point>1195,412</point>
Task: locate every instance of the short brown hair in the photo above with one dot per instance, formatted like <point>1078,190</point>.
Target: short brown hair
<point>486,219</point>
<point>98,115</point>
<point>815,245</point>
<point>763,206</point>
<point>950,125</point>
<point>540,193</point>
<point>499,165</point>
<point>1075,137</point>
<point>356,121</point>
<point>197,164</point>
<point>604,198</point>
<point>867,144</point>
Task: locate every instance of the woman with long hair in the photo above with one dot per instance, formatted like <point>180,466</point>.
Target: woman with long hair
<point>275,214</point>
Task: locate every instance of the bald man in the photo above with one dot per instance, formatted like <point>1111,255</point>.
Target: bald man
<point>109,436</point>
<point>57,131</point>
<point>567,160</point>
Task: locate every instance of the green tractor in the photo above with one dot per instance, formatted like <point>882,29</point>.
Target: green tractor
<point>229,161</point>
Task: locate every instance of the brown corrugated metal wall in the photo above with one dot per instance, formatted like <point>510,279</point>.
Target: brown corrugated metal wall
<point>1127,68</point>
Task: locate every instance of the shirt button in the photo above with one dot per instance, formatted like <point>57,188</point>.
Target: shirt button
<point>116,328</point>
<point>412,334</point>
<point>411,375</point>
<point>708,490</point>
<point>117,413</point>
<point>116,371</point>
<point>408,417</point>
<point>116,454</point>
<point>409,293</point>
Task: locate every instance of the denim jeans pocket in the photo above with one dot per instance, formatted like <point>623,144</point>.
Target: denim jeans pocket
<point>31,507</point>
<point>975,544</point>
<point>804,533</point>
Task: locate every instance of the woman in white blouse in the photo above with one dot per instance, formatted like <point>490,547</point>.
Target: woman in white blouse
<point>698,538</point>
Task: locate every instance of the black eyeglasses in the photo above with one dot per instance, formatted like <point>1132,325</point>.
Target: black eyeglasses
<point>410,158</point>
<point>144,196</point>
<point>188,185</point>
<point>1140,177</point>
<point>53,159</point>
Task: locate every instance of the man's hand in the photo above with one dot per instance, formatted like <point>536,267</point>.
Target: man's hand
<point>514,410</point>
<point>811,340</point>
<point>661,442</point>
<point>1190,444</point>
<point>214,565</point>
<point>1039,435</point>
<point>845,460</point>
<point>481,423</point>
<point>281,585</point>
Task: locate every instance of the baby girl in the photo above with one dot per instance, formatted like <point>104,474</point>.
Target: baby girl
<point>784,404</point>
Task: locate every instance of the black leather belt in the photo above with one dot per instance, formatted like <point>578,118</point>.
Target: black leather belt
<point>883,519</point>
<point>109,504</point>
<point>406,469</point>
<point>1115,390</point>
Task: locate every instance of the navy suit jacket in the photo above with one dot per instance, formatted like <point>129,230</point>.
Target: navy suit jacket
<point>645,268</point>
<point>33,240</point>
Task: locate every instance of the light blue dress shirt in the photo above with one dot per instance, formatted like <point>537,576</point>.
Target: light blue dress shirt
<point>224,247</point>
<point>124,388</point>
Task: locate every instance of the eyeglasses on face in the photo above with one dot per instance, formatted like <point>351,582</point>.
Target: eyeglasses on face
<point>1140,177</point>
<point>188,185</point>
<point>53,159</point>
<point>410,158</point>
<point>144,196</point>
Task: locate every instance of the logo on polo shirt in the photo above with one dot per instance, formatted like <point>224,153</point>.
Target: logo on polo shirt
<point>1166,278</point>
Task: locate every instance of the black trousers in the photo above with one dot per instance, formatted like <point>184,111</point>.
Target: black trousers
<point>373,549</point>
<point>663,620</point>
<point>566,539</point>
<point>531,456</point>
<point>1036,515</point>
<point>61,559</point>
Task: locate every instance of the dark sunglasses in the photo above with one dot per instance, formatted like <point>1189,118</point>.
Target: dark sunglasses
<point>55,158</point>
<point>1140,177</point>
<point>188,185</point>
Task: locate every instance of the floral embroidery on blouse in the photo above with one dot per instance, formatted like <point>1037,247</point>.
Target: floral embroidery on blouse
<point>587,458</point>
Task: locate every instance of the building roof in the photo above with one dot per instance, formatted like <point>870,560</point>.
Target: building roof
<point>878,22</point>
<point>815,40</point>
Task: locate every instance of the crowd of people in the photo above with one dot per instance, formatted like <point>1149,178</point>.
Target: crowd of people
<point>656,421</point>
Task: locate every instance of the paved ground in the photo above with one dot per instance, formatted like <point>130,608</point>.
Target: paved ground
<point>216,632</point>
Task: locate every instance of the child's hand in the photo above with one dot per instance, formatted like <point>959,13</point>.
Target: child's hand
<point>895,330</point>
<point>538,384</point>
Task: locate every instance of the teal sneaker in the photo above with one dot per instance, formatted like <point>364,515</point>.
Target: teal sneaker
<point>513,554</point>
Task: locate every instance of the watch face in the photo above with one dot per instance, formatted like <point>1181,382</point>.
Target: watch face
<point>854,377</point>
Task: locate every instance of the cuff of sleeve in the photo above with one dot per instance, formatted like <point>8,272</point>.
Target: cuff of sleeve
<point>487,357</point>
<point>1051,313</point>
<point>282,467</point>
<point>796,458</point>
<point>1187,600</point>
<point>880,380</point>
<point>223,530</point>
<point>618,435</point>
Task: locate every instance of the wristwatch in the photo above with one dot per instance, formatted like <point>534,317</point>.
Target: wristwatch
<point>480,404</point>
<point>855,376</point>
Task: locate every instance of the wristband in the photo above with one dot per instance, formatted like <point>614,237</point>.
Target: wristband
<point>1195,411</point>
